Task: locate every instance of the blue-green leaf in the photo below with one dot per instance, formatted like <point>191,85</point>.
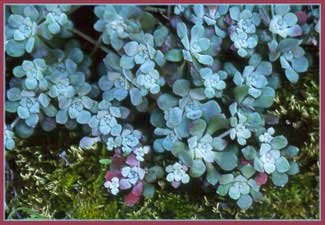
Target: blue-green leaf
<point>282,165</point>
<point>244,202</point>
<point>181,87</point>
<point>166,101</point>
<point>279,179</point>
<point>212,174</point>
<point>227,159</point>
<point>174,55</point>
<point>197,127</point>
<point>198,168</point>
<point>135,96</point>
<point>185,157</point>
<point>279,142</point>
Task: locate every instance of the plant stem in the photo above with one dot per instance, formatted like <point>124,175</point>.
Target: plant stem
<point>272,10</point>
<point>89,39</point>
<point>169,11</point>
<point>13,124</point>
<point>46,42</point>
<point>96,46</point>
<point>226,133</point>
<point>156,10</point>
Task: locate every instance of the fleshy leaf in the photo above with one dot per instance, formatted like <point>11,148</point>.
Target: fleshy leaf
<point>154,173</point>
<point>212,175</point>
<point>148,190</point>
<point>248,170</point>
<point>185,157</point>
<point>279,142</point>
<point>137,189</point>
<point>227,159</point>
<point>131,199</point>
<point>282,165</point>
<point>87,142</point>
<point>261,178</point>
<point>166,101</point>
<point>174,55</point>
<point>279,179</point>
<point>131,160</point>
<point>181,87</point>
<point>197,127</point>
<point>198,168</point>
<point>136,97</point>
<point>244,202</point>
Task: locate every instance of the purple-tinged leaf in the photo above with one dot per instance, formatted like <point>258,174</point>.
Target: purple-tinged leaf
<point>117,161</point>
<point>124,184</point>
<point>131,199</point>
<point>261,178</point>
<point>112,173</point>
<point>294,31</point>
<point>137,189</point>
<point>131,160</point>
<point>302,17</point>
<point>87,142</point>
<point>176,184</point>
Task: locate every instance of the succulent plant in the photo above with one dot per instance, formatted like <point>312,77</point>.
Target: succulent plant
<point>239,130</point>
<point>238,188</point>
<point>20,35</point>
<point>284,23</point>
<point>124,174</point>
<point>202,148</point>
<point>214,13</point>
<point>141,52</point>
<point>34,71</point>
<point>140,152</point>
<point>167,142</point>
<point>127,140</point>
<point>115,83</point>
<point>9,139</point>
<point>213,82</point>
<point>26,104</point>
<point>31,11</point>
<point>196,45</point>
<point>246,20</point>
<point>131,175</point>
<point>267,137</point>
<point>116,24</point>
<point>114,86</point>
<point>199,14</point>
<point>149,80</point>
<point>78,108</point>
<point>254,77</point>
<point>113,185</point>
<point>111,143</point>
<point>62,73</point>
<point>292,57</point>
<point>177,174</point>
<point>56,21</point>
<point>105,122</point>
<point>270,158</point>
<point>179,9</point>
<point>243,42</point>
<point>61,88</point>
<point>243,30</point>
